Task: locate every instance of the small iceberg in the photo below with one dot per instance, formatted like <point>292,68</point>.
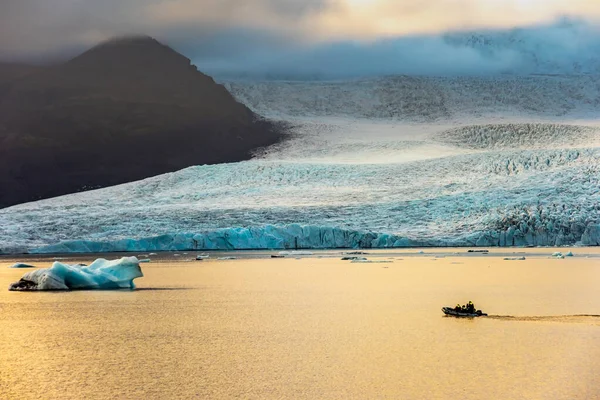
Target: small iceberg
<point>569,254</point>
<point>226,258</point>
<point>296,253</point>
<point>21,265</point>
<point>201,257</point>
<point>515,259</point>
<point>100,275</point>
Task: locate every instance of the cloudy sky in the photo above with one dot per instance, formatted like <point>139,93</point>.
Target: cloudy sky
<point>222,33</point>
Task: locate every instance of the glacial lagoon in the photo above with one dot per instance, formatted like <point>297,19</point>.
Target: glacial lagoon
<point>312,326</point>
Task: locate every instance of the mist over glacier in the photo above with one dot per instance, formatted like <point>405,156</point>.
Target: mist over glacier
<point>566,46</point>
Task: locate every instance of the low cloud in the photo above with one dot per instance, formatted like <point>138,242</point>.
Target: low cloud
<point>564,46</point>
<point>30,28</point>
<point>316,37</point>
<point>413,56</point>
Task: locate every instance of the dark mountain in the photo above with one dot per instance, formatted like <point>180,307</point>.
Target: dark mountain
<point>12,71</point>
<point>125,110</point>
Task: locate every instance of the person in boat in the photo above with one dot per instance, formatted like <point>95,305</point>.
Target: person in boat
<point>457,308</point>
<point>470,307</point>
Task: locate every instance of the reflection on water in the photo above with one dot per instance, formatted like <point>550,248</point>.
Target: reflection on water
<point>572,319</point>
<point>160,289</point>
<point>310,329</point>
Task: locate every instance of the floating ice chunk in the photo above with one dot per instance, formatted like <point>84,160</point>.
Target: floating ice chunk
<point>200,257</point>
<point>514,259</point>
<point>226,258</point>
<point>152,254</point>
<point>145,260</point>
<point>21,265</point>
<point>353,259</point>
<point>569,254</point>
<point>372,261</point>
<point>101,274</point>
<point>296,253</point>
<point>557,254</point>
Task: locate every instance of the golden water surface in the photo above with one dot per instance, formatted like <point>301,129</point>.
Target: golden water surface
<point>314,328</point>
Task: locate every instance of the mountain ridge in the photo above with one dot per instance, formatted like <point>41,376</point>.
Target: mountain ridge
<point>124,110</point>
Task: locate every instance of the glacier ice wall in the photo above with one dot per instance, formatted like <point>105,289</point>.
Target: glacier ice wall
<point>523,233</point>
<point>292,236</point>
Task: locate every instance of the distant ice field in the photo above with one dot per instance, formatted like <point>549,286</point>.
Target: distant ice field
<point>387,162</point>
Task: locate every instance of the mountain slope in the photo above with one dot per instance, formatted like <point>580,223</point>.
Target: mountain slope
<point>11,71</point>
<point>124,110</point>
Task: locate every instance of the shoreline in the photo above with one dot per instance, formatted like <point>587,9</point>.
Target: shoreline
<point>416,252</point>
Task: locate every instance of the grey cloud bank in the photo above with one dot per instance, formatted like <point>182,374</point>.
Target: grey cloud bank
<point>565,46</point>
<point>272,38</point>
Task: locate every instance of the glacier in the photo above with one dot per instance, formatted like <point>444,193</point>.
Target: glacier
<point>101,275</point>
<point>373,163</point>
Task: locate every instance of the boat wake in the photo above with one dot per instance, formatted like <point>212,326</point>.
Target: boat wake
<point>591,319</point>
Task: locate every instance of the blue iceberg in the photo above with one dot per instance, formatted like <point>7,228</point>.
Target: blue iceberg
<point>21,265</point>
<point>100,275</point>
